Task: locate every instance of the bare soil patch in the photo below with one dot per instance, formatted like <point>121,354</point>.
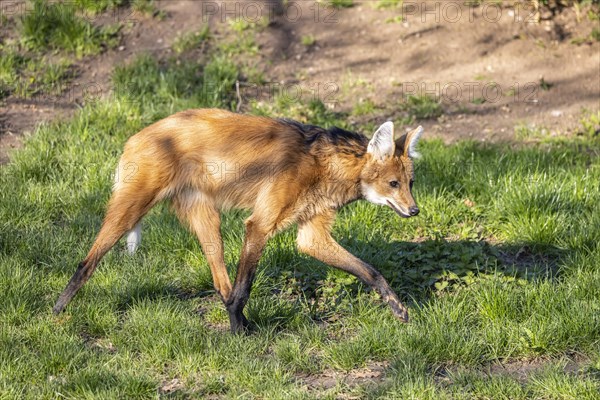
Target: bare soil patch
<point>521,370</point>
<point>372,373</point>
<point>493,67</point>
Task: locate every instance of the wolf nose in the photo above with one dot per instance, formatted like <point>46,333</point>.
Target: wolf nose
<point>414,210</point>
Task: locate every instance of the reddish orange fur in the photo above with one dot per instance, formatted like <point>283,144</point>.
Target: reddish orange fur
<point>209,160</point>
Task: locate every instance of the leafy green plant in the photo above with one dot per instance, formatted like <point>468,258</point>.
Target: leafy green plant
<point>590,123</point>
<point>308,40</point>
<point>544,85</point>
<point>394,20</point>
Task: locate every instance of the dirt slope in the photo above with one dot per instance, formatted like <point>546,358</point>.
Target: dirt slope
<point>141,34</point>
<point>485,63</point>
<point>463,54</point>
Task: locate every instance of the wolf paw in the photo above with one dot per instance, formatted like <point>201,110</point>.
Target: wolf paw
<point>399,311</point>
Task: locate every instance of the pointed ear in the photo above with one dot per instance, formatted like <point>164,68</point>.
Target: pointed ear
<point>407,144</point>
<point>382,144</point>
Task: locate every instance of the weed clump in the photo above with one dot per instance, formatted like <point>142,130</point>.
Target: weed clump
<point>57,26</point>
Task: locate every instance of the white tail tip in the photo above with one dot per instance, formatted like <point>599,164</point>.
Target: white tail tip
<point>134,237</point>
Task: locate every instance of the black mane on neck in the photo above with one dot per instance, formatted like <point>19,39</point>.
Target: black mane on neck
<point>345,141</point>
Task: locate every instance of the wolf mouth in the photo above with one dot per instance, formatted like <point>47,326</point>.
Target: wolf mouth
<point>398,210</point>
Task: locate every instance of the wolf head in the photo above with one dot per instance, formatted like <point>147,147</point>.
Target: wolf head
<point>388,176</point>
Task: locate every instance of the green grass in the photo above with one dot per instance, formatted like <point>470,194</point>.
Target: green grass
<point>422,107</point>
<point>590,123</point>
<point>394,20</point>
<point>386,4</point>
<point>146,7</point>
<point>502,264</point>
<point>26,76</point>
<point>339,3</point>
<point>364,107</point>
<point>10,64</point>
<point>527,132</point>
<point>191,40</point>
<point>240,25</point>
<point>97,6</point>
<point>57,26</point>
<point>308,40</point>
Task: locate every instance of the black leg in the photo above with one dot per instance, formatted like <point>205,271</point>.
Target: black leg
<point>253,246</point>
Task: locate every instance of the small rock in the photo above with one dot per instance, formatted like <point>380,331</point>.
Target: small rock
<point>121,48</point>
<point>556,113</point>
<point>159,40</point>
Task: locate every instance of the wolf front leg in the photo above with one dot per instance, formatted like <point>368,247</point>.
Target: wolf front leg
<point>314,239</point>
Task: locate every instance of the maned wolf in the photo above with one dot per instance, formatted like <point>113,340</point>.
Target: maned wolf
<point>208,160</point>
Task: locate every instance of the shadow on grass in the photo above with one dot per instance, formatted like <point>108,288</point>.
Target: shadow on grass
<point>137,292</point>
<point>416,272</point>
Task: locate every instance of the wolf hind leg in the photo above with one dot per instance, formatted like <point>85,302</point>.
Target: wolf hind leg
<point>124,213</point>
<point>204,219</point>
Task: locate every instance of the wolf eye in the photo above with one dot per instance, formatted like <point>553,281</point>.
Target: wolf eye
<point>395,184</point>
